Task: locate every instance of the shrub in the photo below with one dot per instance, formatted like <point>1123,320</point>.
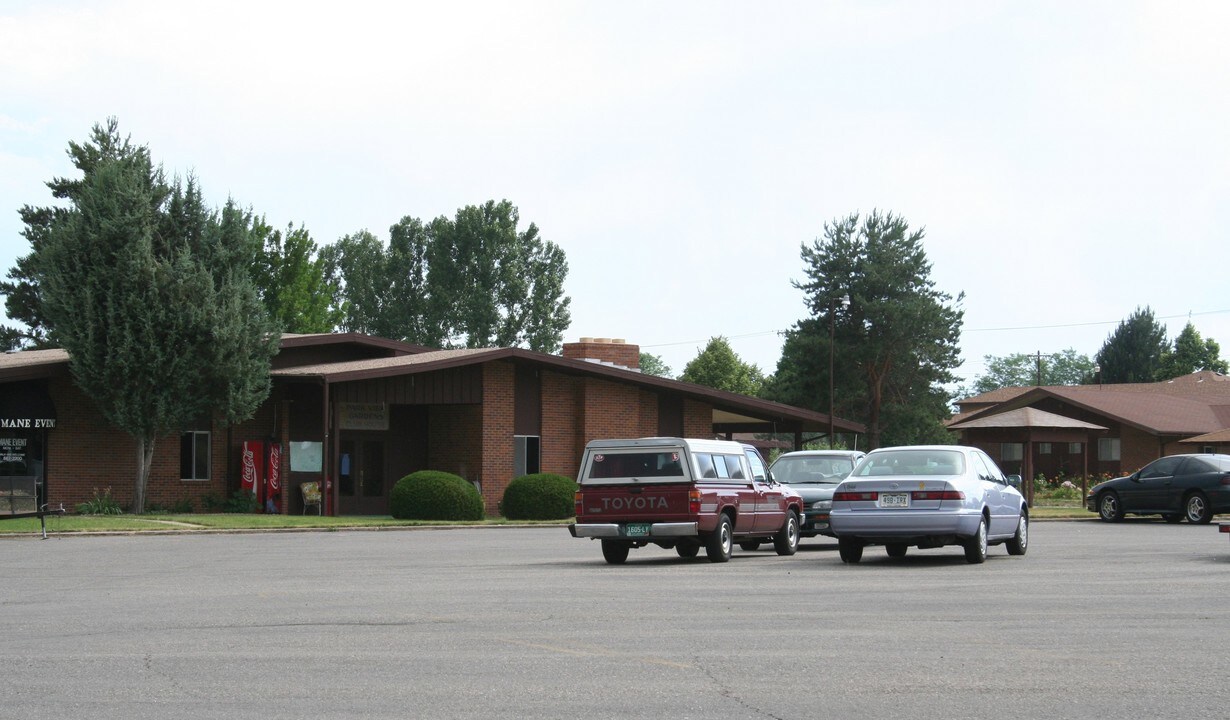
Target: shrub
<point>539,497</point>
<point>435,495</point>
<point>242,501</point>
<point>101,504</point>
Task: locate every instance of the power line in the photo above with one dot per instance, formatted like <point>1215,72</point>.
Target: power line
<point>764,333</point>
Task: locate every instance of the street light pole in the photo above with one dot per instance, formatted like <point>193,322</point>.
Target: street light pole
<point>845,302</point>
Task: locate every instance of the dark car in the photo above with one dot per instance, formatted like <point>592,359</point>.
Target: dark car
<point>1195,487</point>
<point>814,475</point>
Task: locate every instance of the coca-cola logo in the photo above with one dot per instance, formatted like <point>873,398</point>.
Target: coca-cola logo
<point>275,467</point>
<point>249,469</point>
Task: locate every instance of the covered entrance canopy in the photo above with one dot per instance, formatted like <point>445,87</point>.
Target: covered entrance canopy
<point>1030,426</point>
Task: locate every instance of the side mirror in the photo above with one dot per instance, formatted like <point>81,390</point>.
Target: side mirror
<point>1015,481</point>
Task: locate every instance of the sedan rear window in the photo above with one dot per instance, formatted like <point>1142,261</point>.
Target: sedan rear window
<point>912,462</point>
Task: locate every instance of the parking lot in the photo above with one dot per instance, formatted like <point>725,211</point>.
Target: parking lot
<point>1096,621</point>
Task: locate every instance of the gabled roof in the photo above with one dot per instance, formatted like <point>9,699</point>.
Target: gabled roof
<point>1025,417</point>
<point>29,364</point>
<point>1213,438</point>
<point>730,409</point>
<point>1156,413</point>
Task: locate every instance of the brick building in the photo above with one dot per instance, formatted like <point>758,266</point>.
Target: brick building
<point>1084,430</point>
<point>362,412</point>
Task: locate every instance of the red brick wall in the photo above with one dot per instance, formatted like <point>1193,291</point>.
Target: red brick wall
<point>498,451</point>
<point>697,419</point>
<point>562,441</point>
<point>85,453</point>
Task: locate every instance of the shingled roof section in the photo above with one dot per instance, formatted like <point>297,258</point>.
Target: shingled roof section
<point>1025,417</point>
<point>1193,404</point>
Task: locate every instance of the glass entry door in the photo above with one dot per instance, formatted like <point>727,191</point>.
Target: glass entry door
<point>361,478</point>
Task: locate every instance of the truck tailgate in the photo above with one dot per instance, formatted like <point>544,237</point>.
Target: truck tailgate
<point>634,503</point>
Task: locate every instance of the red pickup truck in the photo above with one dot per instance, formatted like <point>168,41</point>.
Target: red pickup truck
<point>682,494</point>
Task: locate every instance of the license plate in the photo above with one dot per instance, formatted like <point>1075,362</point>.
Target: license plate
<point>894,500</point>
<point>637,530</point>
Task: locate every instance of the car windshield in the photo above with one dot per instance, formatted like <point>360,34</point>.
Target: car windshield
<point>912,462</point>
<point>805,470</point>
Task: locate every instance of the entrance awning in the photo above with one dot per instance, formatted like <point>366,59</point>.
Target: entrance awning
<point>26,405</point>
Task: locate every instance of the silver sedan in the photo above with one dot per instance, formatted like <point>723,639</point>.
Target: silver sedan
<point>927,497</point>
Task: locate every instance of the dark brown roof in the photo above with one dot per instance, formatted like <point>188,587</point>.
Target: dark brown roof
<point>1024,417</point>
<point>1213,438</point>
<point>738,413</point>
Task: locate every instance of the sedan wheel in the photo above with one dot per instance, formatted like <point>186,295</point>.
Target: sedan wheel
<point>1109,508</point>
<point>1020,542</point>
<point>1196,509</point>
<point>976,547</point>
<point>786,541</point>
<point>850,549</point>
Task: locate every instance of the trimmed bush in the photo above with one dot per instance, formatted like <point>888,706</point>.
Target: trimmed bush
<point>542,496</point>
<point>435,495</point>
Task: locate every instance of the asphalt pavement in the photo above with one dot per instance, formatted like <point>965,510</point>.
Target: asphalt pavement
<point>1096,621</point>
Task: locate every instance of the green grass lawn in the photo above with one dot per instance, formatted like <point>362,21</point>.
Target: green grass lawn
<point>240,522</point>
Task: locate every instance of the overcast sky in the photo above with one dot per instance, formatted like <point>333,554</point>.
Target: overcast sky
<point>1069,161</point>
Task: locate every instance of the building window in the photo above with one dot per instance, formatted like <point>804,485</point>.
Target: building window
<point>526,455</point>
<point>1075,448</point>
<point>194,455</point>
<point>1108,448</point>
<point>1044,448</point>
<point>1011,451</point>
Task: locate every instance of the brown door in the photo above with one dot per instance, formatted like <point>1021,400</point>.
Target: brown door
<point>360,486</point>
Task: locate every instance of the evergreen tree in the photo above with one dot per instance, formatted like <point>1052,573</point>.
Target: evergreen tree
<point>151,296</point>
<point>1133,352</point>
<point>894,343</point>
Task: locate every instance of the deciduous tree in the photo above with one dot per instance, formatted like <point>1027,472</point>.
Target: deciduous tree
<point>718,367</point>
<point>1020,370</point>
<point>1191,353</point>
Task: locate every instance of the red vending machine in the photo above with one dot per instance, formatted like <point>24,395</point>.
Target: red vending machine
<point>261,473</point>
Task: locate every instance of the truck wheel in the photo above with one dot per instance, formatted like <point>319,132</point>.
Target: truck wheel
<point>786,541</point>
<point>687,549</point>
<point>720,542</point>
<point>614,551</point>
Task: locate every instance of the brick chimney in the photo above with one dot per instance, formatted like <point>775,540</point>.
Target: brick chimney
<point>605,350</point>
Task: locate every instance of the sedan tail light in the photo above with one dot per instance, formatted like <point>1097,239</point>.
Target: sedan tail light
<point>855,496</point>
<point>1225,479</point>
<point>938,495</point>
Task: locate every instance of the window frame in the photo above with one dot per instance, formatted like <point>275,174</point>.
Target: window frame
<point>190,442</point>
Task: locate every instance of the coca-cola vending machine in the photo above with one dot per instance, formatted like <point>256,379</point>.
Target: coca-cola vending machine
<point>261,473</point>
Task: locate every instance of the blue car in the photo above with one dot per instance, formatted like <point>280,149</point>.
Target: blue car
<point>929,496</point>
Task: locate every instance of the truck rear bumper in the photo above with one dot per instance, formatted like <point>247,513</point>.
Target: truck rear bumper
<point>616,530</point>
